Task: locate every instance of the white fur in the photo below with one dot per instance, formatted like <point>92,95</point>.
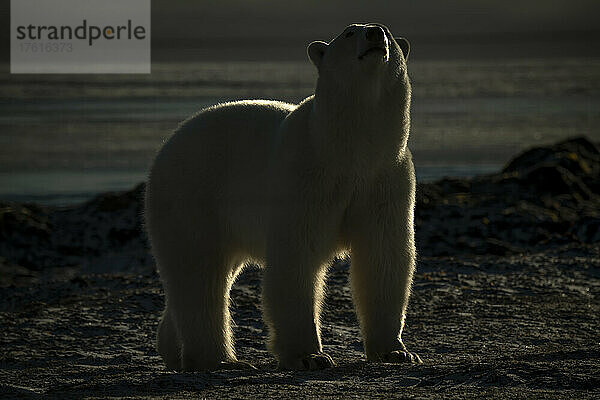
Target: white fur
<point>289,187</point>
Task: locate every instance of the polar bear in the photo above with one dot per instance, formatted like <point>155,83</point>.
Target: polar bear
<point>289,187</point>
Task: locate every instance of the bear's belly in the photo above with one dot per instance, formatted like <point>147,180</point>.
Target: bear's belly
<point>244,210</point>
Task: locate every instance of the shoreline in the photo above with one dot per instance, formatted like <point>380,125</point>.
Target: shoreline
<point>543,198</point>
<point>67,188</point>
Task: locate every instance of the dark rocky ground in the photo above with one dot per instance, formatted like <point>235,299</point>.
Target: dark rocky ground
<point>506,300</point>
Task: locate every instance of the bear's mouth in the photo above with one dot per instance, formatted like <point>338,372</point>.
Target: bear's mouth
<point>374,50</point>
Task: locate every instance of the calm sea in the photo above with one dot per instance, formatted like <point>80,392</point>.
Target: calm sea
<point>65,138</point>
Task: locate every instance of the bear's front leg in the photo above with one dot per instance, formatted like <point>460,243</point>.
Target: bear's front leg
<point>292,296</point>
<point>381,287</point>
<point>383,262</point>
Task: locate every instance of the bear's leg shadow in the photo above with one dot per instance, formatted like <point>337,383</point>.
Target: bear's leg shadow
<point>292,295</point>
<point>168,343</point>
<point>383,261</point>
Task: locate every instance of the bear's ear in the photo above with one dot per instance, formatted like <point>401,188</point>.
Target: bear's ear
<point>316,51</point>
<point>404,45</point>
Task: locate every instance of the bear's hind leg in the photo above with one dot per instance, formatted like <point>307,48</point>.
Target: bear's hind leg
<point>197,277</point>
<point>199,304</point>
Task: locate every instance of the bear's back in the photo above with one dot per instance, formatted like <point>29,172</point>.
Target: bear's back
<point>218,160</point>
<point>230,138</point>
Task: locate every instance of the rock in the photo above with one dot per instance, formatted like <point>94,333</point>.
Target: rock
<point>106,228</point>
<point>572,154</point>
<point>545,197</point>
<point>25,220</point>
<point>578,156</point>
<point>115,201</point>
<point>553,179</point>
<point>16,275</point>
<point>499,247</point>
<point>25,233</point>
<point>588,230</point>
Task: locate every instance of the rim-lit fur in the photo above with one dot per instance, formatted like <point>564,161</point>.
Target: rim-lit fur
<point>289,187</point>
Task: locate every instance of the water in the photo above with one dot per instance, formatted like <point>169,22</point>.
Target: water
<point>65,138</point>
<point>65,187</point>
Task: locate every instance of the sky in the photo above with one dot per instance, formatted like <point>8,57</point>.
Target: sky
<point>440,28</point>
<point>261,17</point>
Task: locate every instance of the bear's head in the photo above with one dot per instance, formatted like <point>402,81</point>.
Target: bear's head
<point>362,56</point>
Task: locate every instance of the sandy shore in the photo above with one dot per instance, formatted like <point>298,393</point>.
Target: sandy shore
<point>505,303</point>
<point>518,326</point>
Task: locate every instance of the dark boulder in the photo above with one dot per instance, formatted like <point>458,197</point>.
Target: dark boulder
<point>23,219</point>
<point>116,201</point>
<point>579,156</point>
<point>553,179</point>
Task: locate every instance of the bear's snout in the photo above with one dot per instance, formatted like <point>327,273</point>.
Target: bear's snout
<point>374,34</point>
<point>372,41</point>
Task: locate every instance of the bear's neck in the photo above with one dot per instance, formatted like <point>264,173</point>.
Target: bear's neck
<point>361,132</point>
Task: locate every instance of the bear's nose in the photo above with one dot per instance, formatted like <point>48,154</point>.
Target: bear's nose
<point>374,34</point>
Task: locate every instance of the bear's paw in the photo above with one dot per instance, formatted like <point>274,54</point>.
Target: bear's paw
<point>311,362</point>
<point>401,356</point>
